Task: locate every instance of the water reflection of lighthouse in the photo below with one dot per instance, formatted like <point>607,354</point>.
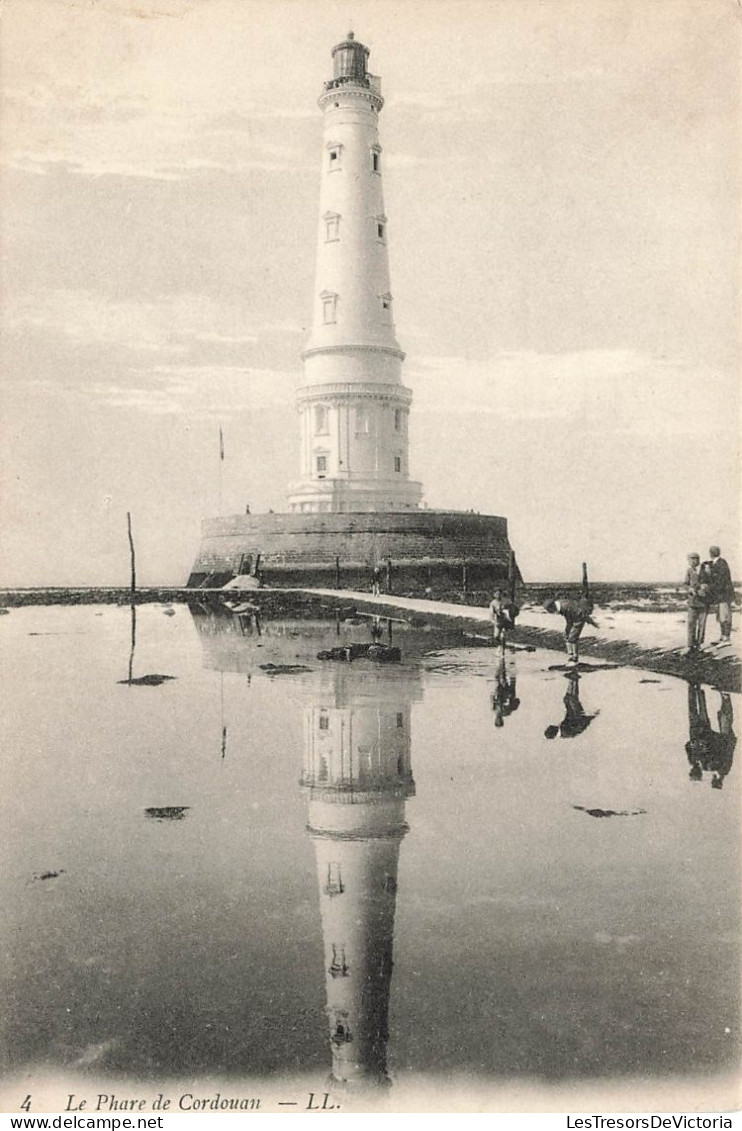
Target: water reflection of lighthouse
<point>357,777</point>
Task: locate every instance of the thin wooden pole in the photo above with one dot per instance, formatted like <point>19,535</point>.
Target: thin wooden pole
<point>221,461</point>
<point>133,640</point>
<point>133,559</point>
<point>224,728</point>
<point>511,575</point>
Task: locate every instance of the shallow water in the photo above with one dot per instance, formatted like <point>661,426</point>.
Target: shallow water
<point>370,870</point>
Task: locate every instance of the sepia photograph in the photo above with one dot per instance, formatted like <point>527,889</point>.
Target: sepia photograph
<point>371,568</point>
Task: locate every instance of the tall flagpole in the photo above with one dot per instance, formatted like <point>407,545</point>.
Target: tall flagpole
<point>224,727</point>
<point>221,461</point>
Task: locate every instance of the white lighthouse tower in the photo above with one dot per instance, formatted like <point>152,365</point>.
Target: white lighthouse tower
<point>354,506</point>
<point>354,408</point>
<point>357,775</point>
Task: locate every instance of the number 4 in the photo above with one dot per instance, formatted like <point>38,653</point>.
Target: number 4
<point>26,1105</point>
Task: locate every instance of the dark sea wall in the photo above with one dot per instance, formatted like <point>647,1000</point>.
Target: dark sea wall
<point>416,550</point>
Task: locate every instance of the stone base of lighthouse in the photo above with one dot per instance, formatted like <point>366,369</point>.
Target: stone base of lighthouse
<point>442,551</point>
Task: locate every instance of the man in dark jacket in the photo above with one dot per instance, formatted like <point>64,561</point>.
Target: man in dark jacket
<point>722,594</point>
<point>576,615</point>
<point>576,719</point>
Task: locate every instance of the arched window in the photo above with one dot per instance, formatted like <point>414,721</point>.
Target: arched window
<point>321,419</point>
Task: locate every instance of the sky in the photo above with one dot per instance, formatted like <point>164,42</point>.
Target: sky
<point>562,186</point>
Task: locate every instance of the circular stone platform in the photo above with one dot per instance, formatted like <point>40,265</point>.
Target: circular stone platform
<point>416,550</point>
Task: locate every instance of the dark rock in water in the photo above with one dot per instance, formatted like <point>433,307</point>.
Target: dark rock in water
<point>583,669</point>
<point>334,654</point>
<point>609,812</point>
<point>3,611</point>
<point>153,680</point>
<point>345,652</point>
<point>384,654</point>
<point>650,681</point>
<point>167,812</point>
<point>283,669</point>
<point>48,875</point>
<point>169,612</point>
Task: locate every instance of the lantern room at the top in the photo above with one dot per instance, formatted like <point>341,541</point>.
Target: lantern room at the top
<point>349,62</point>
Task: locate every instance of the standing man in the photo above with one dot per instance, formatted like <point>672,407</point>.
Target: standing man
<point>698,603</point>
<point>376,580</point>
<point>576,615</point>
<point>722,594</point>
<point>503,612</point>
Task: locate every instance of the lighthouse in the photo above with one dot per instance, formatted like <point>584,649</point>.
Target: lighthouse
<point>353,407</point>
<point>357,776</point>
<point>354,507</point>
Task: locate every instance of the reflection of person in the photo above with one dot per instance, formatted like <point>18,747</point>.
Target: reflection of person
<point>502,612</point>
<point>698,585</point>
<point>576,719</point>
<point>576,615</point>
<point>708,750</point>
<point>722,594</point>
<point>504,698</point>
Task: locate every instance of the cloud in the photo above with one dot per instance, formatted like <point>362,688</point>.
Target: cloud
<point>196,392</point>
<point>169,325</point>
<point>616,391</point>
<point>88,135</point>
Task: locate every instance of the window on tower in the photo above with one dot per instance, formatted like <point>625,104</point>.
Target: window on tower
<point>398,420</point>
<point>397,463</point>
<point>338,966</point>
<point>363,422</point>
<point>334,157</point>
<point>334,881</point>
<point>321,466</point>
<point>376,160</point>
<point>332,227</point>
<point>341,1032</point>
<point>329,307</point>
<point>381,228</point>
<point>386,306</point>
<point>321,420</point>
